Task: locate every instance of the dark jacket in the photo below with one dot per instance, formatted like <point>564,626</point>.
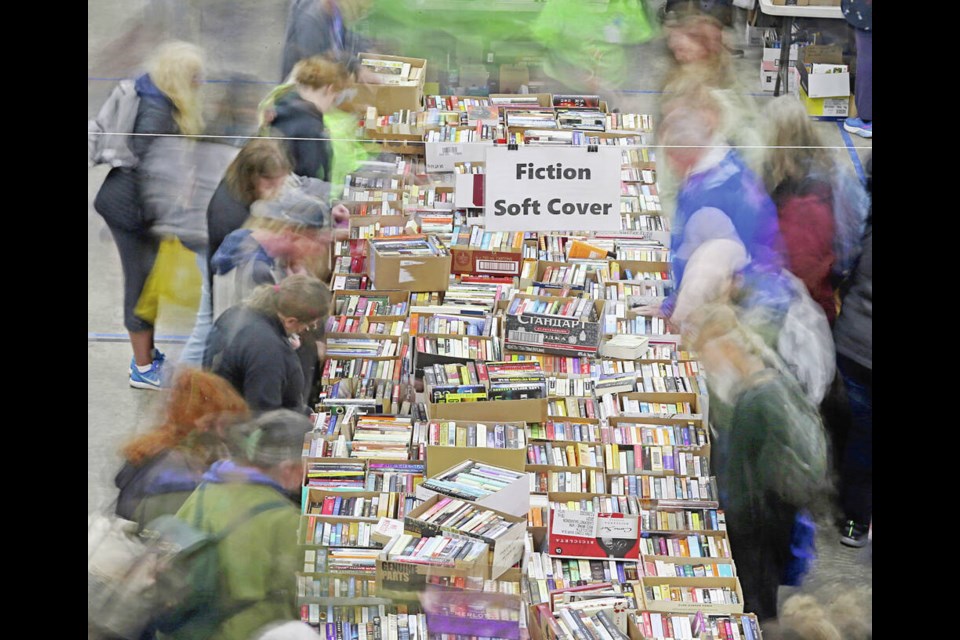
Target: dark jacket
<point>225,213</point>
<point>157,486</point>
<point>853,331</point>
<point>311,31</point>
<point>119,200</point>
<point>251,350</point>
<point>297,118</point>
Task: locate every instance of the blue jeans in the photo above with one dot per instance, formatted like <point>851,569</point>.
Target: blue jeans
<point>197,342</point>
<point>856,468</point>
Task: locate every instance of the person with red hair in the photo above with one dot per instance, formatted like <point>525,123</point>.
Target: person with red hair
<point>163,466</point>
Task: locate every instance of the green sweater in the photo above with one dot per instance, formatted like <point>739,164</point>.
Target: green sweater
<point>258,560</point>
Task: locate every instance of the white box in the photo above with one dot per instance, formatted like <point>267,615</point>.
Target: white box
<point>768,78</point>
<point>772,54</point>
<point>824,85</point>
<point>513,499</point>
<point>442,156</point>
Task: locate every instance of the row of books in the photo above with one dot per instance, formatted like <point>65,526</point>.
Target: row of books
<point>360,347</point>
<point>571,407</point>
<point>492,436</point>
<point>409,246</point>
<point>662,488</point>
<point>375,506</point>
<point>569,455</point>
<point>444,550</point>
<point>471,480</point>
<point>452,324</point>
<point>337,369</point>
<point>639,223</point>
<point>687,626</point>
<point>655,459</point>
<point>582,481</point>
<point>452,514</point>
<point>371,304</point>
<point>472,347</point>
<point>580,308</point>
<point>366,324</point>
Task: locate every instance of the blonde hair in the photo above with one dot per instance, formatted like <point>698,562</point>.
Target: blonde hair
<point>317,72</point>
<point>298,296</point>
<point>175,68</point>
<point>788,125</point>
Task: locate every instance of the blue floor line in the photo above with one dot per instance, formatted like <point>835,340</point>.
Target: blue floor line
<point>93,336</point>
<point>854,156</point>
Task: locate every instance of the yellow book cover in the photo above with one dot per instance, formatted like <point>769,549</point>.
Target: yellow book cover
<point>461,436</point>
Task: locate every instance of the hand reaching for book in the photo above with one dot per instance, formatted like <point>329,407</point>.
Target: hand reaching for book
<point>651,310</point>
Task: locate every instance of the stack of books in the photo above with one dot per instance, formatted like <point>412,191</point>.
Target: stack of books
<point>381,437</point>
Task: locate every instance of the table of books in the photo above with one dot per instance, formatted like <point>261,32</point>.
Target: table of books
<point>504,447</point>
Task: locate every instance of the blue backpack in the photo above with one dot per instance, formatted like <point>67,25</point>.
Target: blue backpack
<point>106,139</point>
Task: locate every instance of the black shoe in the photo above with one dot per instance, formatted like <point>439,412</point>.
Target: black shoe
<point>853,534</point>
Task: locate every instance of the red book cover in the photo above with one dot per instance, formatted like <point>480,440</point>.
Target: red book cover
<point>586,534</point>
<point>551,431</point>
<point>647,627</point>
<point>482,373</point>
<point>328,503</point>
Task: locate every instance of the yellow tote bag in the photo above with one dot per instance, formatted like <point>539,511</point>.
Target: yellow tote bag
<point>175,280</point>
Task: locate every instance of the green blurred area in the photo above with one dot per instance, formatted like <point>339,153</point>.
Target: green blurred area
<point>578,43</point>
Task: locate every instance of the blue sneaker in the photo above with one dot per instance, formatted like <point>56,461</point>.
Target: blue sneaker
<point>149,379</point>
<point>859,127</point>
<point>158,358</point>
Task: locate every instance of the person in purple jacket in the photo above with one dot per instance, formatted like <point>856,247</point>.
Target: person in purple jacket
<point>714,177</point>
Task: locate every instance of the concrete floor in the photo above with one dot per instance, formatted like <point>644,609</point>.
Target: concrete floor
<point>246,35</point>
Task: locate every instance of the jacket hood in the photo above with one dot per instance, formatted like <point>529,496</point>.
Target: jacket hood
<point>145,88</point>
<point>236,248</point>
<point>291,105</point>
<point>224,471</point>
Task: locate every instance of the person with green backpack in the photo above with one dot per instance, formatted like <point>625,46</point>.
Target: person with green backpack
<point>259,557</point>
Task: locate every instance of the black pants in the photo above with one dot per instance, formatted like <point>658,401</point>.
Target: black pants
<point>856,467</point>
<point>118,201</point>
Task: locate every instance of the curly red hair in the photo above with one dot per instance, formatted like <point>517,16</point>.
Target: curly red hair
<point>196,402</point>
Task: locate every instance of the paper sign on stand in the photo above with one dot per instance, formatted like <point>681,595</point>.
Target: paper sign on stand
<point>552,189</point>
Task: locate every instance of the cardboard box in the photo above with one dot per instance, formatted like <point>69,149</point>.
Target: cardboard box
<point>408,273</point>
<point>440,457</point>
<point>772,54</point>
<point>442,156</point>
<point>543,99</point>
<point>513,498</point>
<point>823,85</point>
<point>482,262</point>
<point>667,606</point>
<point>768,78</point>
<point>534,410</point>
<point>497,614</point>
<point>512,76</point>
<point>389,98</point>
<point>692,399</point>
<point>540,333</point>
<point>423,359</point>
<point>405,580</point>
<point>826,108</point>
<point>507,549</point>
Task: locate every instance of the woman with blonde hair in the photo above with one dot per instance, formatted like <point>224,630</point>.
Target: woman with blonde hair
<point>820,205</point>
<point>163,465</point>
<point>169,105</point>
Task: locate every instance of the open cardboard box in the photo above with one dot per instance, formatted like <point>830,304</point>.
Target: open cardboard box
<point>669,606</point>
<point>405,580</point>
<point>391,98</point>
<point>409,273</point>
<point>532,410</point>
<point>514,498</point>
<point>467,260</point>
<point>507,549</point>
<point>542,333</point>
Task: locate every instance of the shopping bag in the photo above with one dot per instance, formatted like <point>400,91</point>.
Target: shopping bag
<point>174,281</point>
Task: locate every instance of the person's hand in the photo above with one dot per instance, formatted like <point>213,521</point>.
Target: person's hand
<point>366,76</point>
<point>294,341</point>
<point>340,214</point>
<point>650,310</point>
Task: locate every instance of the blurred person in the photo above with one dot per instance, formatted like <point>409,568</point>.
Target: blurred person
<point>820,203</point>
<point>320,28</point>
<point>714,176</point>
<point>257,173</point>
<point>859,15</point>
<point>259,558</point>
<point>163,465</point>
<point>853,336</point>
<point>847,616</point>
<point>169,104</point>
<point>291,233</point>
<point>253,344</point>
<point>298,114</point>
<point>587,50</point>
<point>770,460</point>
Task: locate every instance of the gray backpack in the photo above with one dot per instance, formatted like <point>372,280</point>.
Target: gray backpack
<point>106,143</point>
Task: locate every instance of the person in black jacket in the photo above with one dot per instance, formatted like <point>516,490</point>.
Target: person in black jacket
<point>298,115</point>
<point>317,27</point>
<point>169,104</point>
<point>253,345</point>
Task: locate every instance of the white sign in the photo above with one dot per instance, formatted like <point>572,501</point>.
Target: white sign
<point>442,156</point>
<point>552,189</point>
